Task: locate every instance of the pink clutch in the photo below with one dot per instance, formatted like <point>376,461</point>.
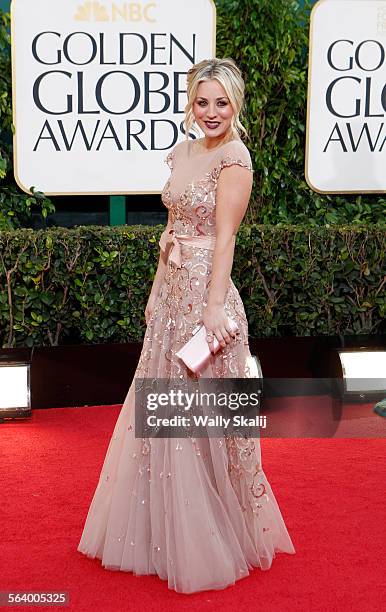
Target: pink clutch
<point>196,352</point>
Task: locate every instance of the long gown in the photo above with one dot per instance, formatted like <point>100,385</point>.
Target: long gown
<point>198,512</point>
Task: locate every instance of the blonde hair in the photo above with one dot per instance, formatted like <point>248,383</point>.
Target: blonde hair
<point>227,73</point>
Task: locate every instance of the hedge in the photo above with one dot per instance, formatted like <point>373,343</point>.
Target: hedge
<point>90,284</point>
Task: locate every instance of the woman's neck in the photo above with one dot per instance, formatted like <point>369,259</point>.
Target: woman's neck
<point>214,143</point>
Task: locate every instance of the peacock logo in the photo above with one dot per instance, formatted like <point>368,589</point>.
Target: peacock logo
<point>125,11</point>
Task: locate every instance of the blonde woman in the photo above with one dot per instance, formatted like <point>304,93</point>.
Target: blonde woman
<point>198,512</point>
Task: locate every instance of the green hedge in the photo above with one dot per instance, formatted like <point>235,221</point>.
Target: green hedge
<point>90,284</point>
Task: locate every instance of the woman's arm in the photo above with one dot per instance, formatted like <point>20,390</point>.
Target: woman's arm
<point>233,192</point>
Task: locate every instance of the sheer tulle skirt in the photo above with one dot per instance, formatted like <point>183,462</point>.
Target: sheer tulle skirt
<point>199,513</point>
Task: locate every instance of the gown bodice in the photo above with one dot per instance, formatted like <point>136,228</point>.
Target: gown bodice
<point>190,192</point>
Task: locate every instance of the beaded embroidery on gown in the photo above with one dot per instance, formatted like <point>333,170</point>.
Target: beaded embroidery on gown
<point>198,512</point>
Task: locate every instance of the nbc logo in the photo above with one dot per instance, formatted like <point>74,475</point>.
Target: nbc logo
<point>126,11</point>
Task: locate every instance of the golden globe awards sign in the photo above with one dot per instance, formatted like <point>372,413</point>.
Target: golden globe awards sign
<point>99,90</point>
<point>346,127</point>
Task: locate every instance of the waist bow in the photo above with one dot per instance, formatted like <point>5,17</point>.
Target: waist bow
<point>175,241</point>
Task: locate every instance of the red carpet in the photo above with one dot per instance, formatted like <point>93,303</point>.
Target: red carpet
<point>331,493</point>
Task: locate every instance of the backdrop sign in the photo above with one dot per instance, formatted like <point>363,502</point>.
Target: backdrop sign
<point>346,128</point>
<point>99,90</point>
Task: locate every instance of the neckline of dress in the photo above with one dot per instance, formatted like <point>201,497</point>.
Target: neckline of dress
<point>211,150</point>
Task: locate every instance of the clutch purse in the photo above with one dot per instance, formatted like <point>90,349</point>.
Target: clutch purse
<point>196,352</point>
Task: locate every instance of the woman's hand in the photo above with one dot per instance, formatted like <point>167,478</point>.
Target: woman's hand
<point>216,324</point>
<point>150,307</point>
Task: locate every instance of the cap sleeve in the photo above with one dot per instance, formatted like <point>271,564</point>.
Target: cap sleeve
<point>172,158</point>
<point>169,159</point>
<point>234,153</point>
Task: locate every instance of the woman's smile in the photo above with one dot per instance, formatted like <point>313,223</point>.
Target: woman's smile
<point>212,125</point>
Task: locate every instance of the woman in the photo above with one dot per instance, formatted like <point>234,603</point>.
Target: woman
<point>198,512</point>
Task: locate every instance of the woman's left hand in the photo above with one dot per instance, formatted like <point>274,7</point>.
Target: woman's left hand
<point>216,323</point>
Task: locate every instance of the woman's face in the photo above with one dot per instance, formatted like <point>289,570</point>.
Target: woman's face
<point>212,109</point>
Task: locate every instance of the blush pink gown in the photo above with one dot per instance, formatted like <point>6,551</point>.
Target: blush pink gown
<point>199,513</point>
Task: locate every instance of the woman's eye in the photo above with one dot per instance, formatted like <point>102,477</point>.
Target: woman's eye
<point>220,103</point>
